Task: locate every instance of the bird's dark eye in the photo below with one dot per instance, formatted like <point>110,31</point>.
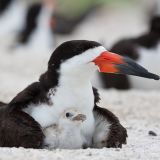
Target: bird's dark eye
<point>69,114</point>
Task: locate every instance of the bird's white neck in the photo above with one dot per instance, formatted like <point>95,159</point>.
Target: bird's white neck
<point>75,91</point>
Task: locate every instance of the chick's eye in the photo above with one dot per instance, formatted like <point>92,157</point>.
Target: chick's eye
<point>68,114</point>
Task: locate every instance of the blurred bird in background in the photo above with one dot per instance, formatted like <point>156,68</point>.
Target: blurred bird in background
<point>41,20</point>
<point>32,26</point>
<point>145,49</point>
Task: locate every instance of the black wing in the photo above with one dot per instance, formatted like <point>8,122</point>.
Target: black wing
<point>117,133</point>
<point>18,129</point>
<point>32,94</point>
<point>2,104</point>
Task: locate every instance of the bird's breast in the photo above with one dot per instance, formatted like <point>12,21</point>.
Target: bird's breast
<point>64,98</point>
<point>81,98</point>
<point>70,97</point>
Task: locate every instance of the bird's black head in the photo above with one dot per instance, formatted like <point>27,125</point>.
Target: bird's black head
<point>68,50</point>
<point>61,54</point>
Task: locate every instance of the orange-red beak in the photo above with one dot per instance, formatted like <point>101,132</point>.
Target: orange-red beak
<point>109,62</point>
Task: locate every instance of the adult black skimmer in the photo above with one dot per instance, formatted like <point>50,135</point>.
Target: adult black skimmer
<point>145,49</point>
<point>66,84</point>
<point>66,132</point>
<point>31,20</point>
<point>36,29</point>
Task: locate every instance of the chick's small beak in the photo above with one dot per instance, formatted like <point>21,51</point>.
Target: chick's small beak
<point>109,62</point>
<point>80,117</point>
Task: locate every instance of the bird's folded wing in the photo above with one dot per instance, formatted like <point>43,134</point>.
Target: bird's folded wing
<point>18,129</point>
<point>31,94</point>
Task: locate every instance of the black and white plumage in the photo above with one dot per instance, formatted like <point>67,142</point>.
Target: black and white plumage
<point>108,130</point>
<point>30,23</point>
<point>66,134</point>
<point>4,5</point>
<point>144,49</point>
<point>66,84</point>
<point>18,129</point>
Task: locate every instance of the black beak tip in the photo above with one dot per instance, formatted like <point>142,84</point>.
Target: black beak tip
<point>151,76</point>
<point>156,77</point>
<point>132,68</point>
